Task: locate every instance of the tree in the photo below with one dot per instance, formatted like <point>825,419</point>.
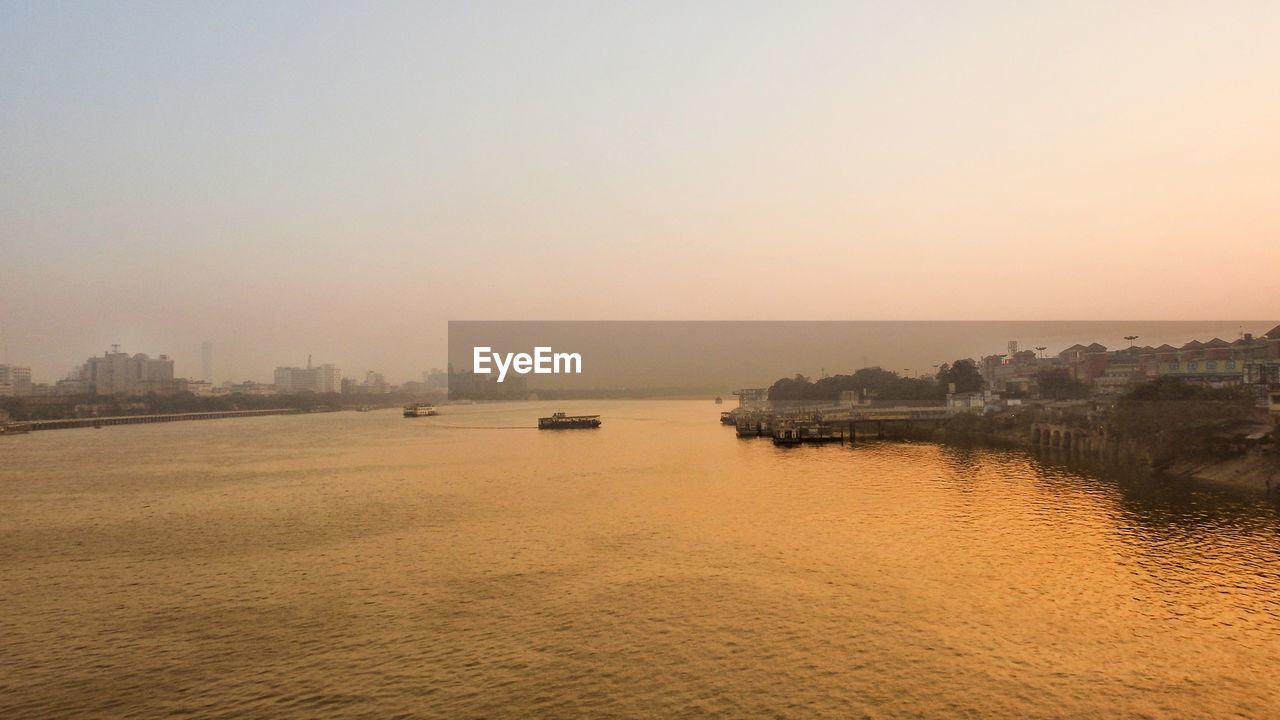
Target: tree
<point>1058,384</point>
<point>963,373</point>
<point>867,382</point>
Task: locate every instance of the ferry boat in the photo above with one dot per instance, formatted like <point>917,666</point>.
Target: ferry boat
<point>560,421</point>
<point>415,410</point>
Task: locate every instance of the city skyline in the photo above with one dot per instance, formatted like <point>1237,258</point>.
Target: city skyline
<point>289,179</point>
<point>900,347</point>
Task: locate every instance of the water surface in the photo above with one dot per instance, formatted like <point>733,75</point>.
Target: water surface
<point>367,565</point>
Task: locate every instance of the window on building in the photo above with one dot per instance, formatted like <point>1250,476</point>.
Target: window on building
<point>1231,364</point>
<point>1193,365</point>
<point>1211,365</point>
<point>1173,366</point>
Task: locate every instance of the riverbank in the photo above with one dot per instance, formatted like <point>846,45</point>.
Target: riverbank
<point>1254,469</point>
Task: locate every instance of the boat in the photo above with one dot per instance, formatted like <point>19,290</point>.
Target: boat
<point>719,400</point>
<point>14,428</point>
<point>416,410</point>
<point>560,421</point>
<point>363,408</point>
<point>728,417</point>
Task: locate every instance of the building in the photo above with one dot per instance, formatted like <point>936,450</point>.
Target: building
<point>206,361</point>
<point>1017,373</point>
<point>122,374</point>
<point>1252,362</point>
<point>375,383</point>
<point>466,385</point>
<point>69,386</point>
<point>15,381</point>
<point>199,388</point>
<point>328,379</point>
<point>248,387</point>
<point>1085,363</point>
<point>318,379</point>
<point>753,398</point>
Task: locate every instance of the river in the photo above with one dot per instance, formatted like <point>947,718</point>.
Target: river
<point>466,565</point>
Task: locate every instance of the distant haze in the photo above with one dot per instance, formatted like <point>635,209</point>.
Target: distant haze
<point>725,356</point>
<point>340,180</point>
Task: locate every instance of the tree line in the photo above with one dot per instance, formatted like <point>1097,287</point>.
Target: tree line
<point>878,383</point>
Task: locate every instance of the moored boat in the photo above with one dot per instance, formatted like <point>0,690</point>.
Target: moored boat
<point>416,410</point>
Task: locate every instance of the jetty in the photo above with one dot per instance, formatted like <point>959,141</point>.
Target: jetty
<point>831,423</point>
<point>84,422</point>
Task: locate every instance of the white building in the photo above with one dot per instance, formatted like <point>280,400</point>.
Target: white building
<point>117,373</point>
<point>15,381</point>
<point>320,379</point>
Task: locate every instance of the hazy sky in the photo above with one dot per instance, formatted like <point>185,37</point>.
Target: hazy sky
<point>342,179</point>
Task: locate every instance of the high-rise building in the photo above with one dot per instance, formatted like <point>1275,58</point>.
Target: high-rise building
<point>15,381</point>
<point>320,379</point>
<point>118,373</point>
<point>206,361</point>
<point>328,379</point>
